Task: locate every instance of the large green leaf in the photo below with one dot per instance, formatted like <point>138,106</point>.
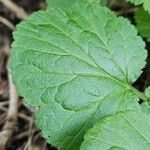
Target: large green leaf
<point>146,3</point>
<point>75,67</point>
<point>123,131</point>
<point>143,22</point>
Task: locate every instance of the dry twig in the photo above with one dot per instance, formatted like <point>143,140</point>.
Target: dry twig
<point>9,126</point>
<point>18,11</point>
<point>7,23</point>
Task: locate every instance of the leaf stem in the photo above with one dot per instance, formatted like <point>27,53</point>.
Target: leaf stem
<point>140,94</point>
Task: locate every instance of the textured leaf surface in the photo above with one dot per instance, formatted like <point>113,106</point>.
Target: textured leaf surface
<point>123,131</point>
<point>143,22</point>
<point>76,67</point>
<point>146,3</point>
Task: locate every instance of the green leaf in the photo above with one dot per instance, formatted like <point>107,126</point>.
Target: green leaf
<point>146,3</point>
<point>136,2</point>
<point>147,92</point>
<point>123,131</point>
<point>143,22</point>
<point>75,67</point>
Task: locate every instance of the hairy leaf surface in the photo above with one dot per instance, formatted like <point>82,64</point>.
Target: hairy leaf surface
<point>143,22</point>
<point>123,131</point>
<point>76,66</point>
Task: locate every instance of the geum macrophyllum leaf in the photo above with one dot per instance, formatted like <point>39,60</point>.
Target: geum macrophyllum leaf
<point>123,131</point>
<point>76,66</point>
<point>142,19</point>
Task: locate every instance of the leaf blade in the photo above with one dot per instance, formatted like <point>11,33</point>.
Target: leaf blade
<point>142,19</point>
<point>76,71</point>
<point>146,4</point>
<point>125,130</point>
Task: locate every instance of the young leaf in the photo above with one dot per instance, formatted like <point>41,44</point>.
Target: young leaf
<point>143,22</point>
<point>123,131</point>
<point>76,66</point>
<point>136,2</point>
<point>146,3</point>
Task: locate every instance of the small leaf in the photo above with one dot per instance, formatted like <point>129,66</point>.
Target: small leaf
<point>136,2</point>
<point>123,131</point>
<point>76,66</point>
<point>143,22</point>
<point>146,3</point>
